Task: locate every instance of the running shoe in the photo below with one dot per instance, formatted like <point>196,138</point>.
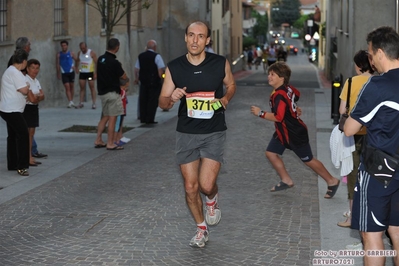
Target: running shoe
<point>71,105</point>
<point>355,246</point>
<point>200,238</point>
<point>126,140</point>
<point>213,213</point>
<point>80,106</point>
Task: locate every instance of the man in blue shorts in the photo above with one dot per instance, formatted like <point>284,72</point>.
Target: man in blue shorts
<point>65,65</point>
<point>376,199</point>
<point>196,80</point>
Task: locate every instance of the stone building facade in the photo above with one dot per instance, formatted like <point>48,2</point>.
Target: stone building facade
<point>47,22</point>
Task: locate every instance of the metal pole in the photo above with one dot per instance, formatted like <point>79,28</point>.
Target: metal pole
<point>86,37</point>
<point>336,90</point>
<point>86,20</point>
<point>397,15</point>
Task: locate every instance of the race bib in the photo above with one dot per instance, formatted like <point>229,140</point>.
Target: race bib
<point>84,65</point>
<point>199,104</point>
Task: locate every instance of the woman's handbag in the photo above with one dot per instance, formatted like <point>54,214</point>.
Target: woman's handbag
<point>346,115</point>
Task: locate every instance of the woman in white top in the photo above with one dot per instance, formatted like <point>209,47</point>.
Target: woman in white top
<point>12,104</point>
<point>35,95</point>
<point>364,71</point>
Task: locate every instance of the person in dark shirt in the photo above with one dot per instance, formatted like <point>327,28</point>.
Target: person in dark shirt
<point>196,80</point>
<point>291,132</point>
<point>376,199</point>
<point>111,78</point>
<point>149,69</point>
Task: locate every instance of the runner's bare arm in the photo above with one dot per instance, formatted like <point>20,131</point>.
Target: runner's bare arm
<point>77,63</point>
<point>230,84</point>
<point>169,93</point>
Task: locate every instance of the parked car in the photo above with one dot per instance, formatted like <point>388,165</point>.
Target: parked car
<point>294,35</point>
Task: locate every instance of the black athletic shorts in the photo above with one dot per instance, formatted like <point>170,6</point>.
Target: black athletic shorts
<point>86,76</point>
<point>68,77</point>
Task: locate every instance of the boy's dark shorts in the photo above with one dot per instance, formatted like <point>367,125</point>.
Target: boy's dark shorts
<point>304,152</point>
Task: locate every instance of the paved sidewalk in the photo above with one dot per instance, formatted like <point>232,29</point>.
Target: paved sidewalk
<point>66,150</point>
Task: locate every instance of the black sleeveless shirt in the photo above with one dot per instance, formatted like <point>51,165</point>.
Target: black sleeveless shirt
<point>206,77</point>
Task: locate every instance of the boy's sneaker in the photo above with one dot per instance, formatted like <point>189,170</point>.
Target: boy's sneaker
<point>200,238</point>
<point>71,105</point>
<point>213,213</point>
<point>39,155</point>
<point>355,246</point>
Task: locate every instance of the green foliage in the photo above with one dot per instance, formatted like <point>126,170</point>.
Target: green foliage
<point>284,11</point>
<point>249,41</point>
<point>262,24</point>
<point>300,23</point>
<point>323,29</point>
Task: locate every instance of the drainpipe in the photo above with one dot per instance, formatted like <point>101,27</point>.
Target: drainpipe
<point>85,37</point>
<point>86,20</point>
<point>397,15</point>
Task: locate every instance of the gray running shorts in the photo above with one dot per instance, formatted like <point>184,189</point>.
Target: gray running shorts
<point>191,147</point>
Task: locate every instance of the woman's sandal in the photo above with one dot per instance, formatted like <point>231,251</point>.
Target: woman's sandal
<point>23,172</point>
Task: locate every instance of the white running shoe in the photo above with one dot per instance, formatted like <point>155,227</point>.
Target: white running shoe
<point>355,246</point>
<point>200,238</point>
<point>124,139</point>
<point>71,105</point>
<point>213,213</point>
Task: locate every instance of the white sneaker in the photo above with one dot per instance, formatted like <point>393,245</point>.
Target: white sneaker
<point>200,238</point>
<point>355,246</point>
<point>124,139</point>
<point>347,214</point>
<point>213,213</point>
<point>71,105</point>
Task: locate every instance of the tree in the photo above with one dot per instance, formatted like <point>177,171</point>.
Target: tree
<point>284,11</point>
<point>299,24</point>
<point>260,29</point>
<point>112,11</point>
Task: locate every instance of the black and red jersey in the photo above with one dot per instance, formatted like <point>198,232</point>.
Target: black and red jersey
<point>290,129</point>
